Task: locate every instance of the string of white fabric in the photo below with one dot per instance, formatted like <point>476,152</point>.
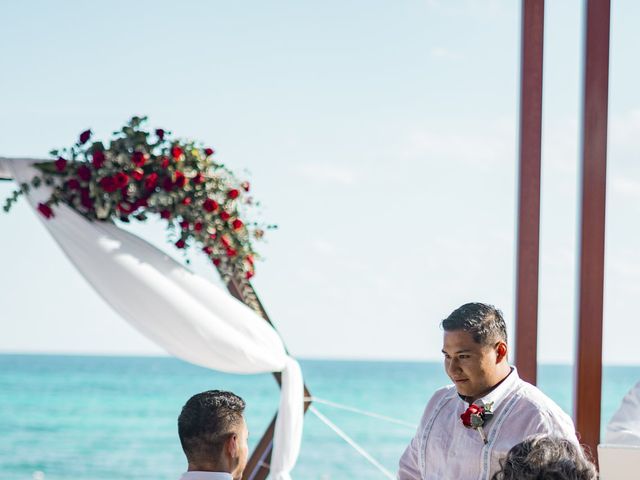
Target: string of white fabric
<point>350,441</point>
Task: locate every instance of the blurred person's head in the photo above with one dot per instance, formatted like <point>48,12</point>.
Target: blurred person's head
<point>543,457</point>
<point>475,349</point>
<point>213,433</point>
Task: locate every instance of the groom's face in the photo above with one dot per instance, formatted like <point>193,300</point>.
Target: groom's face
<point>471,366</point>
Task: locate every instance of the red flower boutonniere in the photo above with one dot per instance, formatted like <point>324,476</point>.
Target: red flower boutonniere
<point>476,416</point>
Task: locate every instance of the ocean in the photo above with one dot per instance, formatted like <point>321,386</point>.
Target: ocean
<point>89,417</point>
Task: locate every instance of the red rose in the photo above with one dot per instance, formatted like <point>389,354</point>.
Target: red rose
<point>73,184</point>
<point>108,184</point>
<point>98,159</point>
<point>61,164</point>
<point>225,241</point>
<point>151,181</point>
<point>186,201</point>
<point>164,162</point>
<point>208,151</point>
<point>197,226</point>
<point>249,259</point>
<point>198,179</point>
<point>231,252</point>
<point>86,200</point>
<point>84,173</point>
<point>45,210</point>
<point>166,214</point>
<point>138,174</point>
<point>180,180</point>
<point>225,216</point>
<point>248,275</point>
<point>138,158</point>
<point>180,243</point>
<point>216,262</point>
<point>210,205</point>
<point>160,133</point>
<point>167,184</point>
<point>233,193</point>
<point>176,152</point>
<point>466,416</point>
<point>141,202</point>
<point>85,136</point>
<point>245,186</point>
<point>213,236</point>
<point>184,224</point>
<point>237,224</point>
<point>121,179</point>
<point>208,250</point>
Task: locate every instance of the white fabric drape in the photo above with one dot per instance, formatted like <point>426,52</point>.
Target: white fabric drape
<point>188,316</point>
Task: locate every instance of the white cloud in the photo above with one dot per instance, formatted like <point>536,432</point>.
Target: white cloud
<point>327,173</point>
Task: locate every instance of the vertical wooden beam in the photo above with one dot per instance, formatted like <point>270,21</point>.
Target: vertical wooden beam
<point>528,244</point>
<point>588,369</point>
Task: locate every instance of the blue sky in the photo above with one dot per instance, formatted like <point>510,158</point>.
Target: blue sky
<point>380,136</point>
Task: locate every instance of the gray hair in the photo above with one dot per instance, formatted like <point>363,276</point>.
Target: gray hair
<point>546,457</point>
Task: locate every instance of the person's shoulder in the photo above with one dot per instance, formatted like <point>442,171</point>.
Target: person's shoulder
<point>537,402</point>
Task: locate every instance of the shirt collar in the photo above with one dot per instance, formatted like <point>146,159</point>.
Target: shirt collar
<point>498,394</point>
<point>197,475</point>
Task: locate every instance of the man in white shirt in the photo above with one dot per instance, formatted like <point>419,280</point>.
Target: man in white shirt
<point>506,408</point>
<point>213,434</point>
<point>624,427</point>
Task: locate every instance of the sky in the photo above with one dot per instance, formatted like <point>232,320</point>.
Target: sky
<point>380,136</point>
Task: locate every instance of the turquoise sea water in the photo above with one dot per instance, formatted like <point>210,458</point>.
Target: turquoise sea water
<point>70,417</point>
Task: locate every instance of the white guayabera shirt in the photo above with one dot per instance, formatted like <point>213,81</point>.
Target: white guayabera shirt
<point>444,449</point>
<point>624,427</point>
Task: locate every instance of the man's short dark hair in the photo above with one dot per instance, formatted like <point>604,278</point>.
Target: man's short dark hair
<point>206,421</point>
<point>484,322</point>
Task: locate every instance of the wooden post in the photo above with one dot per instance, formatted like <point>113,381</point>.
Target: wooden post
<point>588,369</point>
<point>258,465</point>
<point>529,189</point>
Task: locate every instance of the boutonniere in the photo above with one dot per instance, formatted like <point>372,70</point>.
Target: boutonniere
<point>476,416</point>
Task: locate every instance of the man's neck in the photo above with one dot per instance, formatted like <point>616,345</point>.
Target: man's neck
<point>503,376</point>
<point>207,467</point>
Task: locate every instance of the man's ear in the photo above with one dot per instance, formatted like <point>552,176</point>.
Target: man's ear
<point>232,445</point>
<point>501,351</point>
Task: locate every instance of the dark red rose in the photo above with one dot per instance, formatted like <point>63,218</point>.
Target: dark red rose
<point>85,199</point>
<point>73,184</point>
<point>138,158</point>
<point>466,416</point>
<point>151,181</point>
<point>160,133</point>
<point>208,151</point>
<point>208,250</point>
<point>231,252</point>
<point>216,262</point>
<point>85,136</point>
<point>197,226</point>
<point>210,205</point>
<point>180,180</point>
<point>84,173</point>
<point>180,243</point>
<point>237,224</point>
<point>138,174</point>
<point>184,224</point>
<point>176,152</point>
<point>225,215</point>
<point>198,179</point>
<point>186,201</point>
<point>141,202</point>
<point>108,184</point>
<point>97,159</point>
<point>121,179</point>
<point>233,193</point>
<point>61,164</point>
<point>225,241</point>
<point>166,214</point>
<point>245,186</point>
<point>167,184</point>
<point>45,210</point>
<point>164,162</point>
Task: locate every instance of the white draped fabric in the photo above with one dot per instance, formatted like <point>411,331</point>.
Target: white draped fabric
<point>187,315</point>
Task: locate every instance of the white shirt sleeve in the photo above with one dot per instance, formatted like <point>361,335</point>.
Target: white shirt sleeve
<point>624,427</point>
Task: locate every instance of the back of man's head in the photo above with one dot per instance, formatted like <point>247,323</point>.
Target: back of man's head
<point>207,420</point>
<point>483,322</point>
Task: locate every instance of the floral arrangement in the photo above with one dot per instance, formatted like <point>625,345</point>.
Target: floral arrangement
<point>476,416</point>
<point>140,174</point>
